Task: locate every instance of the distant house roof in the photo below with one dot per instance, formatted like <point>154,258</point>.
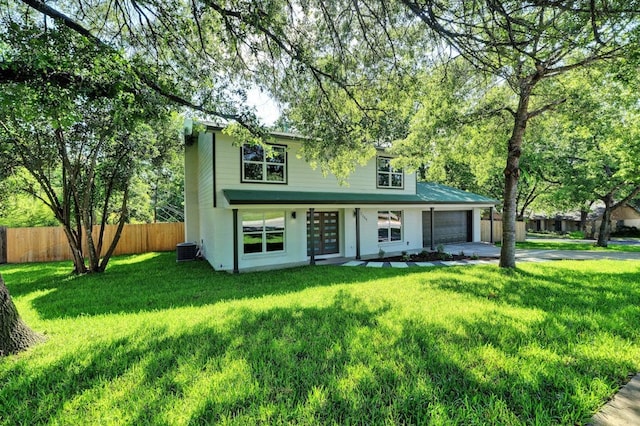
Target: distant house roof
<point>427,193</point>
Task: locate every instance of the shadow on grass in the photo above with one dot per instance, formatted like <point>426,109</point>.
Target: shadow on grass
<point>333,365</point>
<point>268,359</point>
<point>158,282</point>
<point>582,300</point>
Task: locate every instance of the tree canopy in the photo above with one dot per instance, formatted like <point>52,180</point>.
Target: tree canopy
<point>346,71</point>
<point>81,127</point>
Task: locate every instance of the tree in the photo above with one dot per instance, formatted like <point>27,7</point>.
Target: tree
<point>80,130</point>
<point>598,139</point>
<point>525,44</point>
<point>15,335</point>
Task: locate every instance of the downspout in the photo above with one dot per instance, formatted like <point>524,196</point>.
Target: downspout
<point>357,233</point>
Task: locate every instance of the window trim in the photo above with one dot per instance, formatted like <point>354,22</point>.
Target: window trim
<point>390,174</point>
<point>264,232</point>
<point>265,163</point>
<point>388,227</point>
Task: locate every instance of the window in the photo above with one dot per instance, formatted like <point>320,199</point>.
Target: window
<point>263,232</point>
<point>388,177</point>
<point>264,165</point>
<point>389,226</point>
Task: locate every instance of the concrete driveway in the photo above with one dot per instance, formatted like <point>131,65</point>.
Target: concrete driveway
<point>490,250</point>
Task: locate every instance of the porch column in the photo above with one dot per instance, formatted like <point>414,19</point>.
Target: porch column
<point>235,241</point>
<point>432,230</point>
<point>358,233</point>
<point>312,224</point>
<point>491,225</point>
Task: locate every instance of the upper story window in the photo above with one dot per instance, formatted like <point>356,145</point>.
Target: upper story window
<point>264,165</point>
<point>389,177</point>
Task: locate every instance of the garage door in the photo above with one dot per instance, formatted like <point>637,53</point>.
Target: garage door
<point>449,227</point>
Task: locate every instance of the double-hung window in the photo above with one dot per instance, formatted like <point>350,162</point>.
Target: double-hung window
<point>263,232</point>
<point>388,176</point>
<point>264,165</point>
<point>389,226</point>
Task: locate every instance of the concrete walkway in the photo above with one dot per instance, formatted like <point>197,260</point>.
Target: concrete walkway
<point>624,407</point>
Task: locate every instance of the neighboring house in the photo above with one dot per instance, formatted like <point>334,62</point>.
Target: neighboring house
<point>248,209</point>
<point>624,215</point>
<point>561,222</point>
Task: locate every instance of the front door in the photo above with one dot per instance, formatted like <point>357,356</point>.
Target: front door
<point>325,233</point>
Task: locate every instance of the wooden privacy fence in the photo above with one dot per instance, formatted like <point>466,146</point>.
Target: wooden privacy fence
<point>485,231</point>
<point>50,243</point>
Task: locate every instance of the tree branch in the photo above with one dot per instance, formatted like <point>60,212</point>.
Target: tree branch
<point>143,77</point>
<point>547,107</point>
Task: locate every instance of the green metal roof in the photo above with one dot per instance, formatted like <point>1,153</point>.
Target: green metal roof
<point>437,193</point>
<point>428,193</point>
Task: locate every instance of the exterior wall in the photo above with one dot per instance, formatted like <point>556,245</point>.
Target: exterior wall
<point>627,214</point>
<point>476,220</point>
<point>411,232</point>
<point>206,213</point>
<point>301,177</point>
<point>191,202</point>
<point>632,222</point>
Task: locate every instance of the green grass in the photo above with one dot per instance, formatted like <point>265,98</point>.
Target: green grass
<point>570,245</point>
<point>153,341</point>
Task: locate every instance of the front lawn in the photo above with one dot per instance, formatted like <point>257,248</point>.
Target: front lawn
<point>153,341</point>
<point>572,245</point>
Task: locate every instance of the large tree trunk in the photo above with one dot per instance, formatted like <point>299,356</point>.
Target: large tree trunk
<point>15,335</point>
<point>605,225</point>
<point>584,214</point>
<point>511,177</point>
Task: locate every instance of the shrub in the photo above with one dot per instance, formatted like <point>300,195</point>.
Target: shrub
<point>626,231</point>
<point>576,235</point>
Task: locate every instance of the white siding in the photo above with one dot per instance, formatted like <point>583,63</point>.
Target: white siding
<point>205,195</point>
<point>191,202</point>
<point>301,176</point>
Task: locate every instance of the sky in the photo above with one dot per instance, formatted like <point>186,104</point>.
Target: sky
<point>266,109</point>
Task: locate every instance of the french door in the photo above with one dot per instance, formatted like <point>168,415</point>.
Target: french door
<point>324,233</point>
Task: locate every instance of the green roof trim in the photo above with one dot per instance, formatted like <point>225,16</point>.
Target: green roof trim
<point>428,193</point>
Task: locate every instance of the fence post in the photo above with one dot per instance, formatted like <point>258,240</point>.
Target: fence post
<point>3,244</point>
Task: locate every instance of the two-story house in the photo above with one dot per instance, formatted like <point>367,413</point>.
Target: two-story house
<point>250,208</point>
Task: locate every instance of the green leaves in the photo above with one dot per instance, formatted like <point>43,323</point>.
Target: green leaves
<point>82,125</point>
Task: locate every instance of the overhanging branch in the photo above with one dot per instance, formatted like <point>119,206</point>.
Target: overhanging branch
<point>142,76</point>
